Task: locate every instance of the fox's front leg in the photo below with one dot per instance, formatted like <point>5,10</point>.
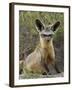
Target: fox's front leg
<point>45,66</point>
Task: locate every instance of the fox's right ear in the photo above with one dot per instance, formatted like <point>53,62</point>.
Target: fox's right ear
<point>56,25</point>
<point>39,25</point>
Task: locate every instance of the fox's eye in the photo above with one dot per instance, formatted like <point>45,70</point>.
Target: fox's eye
<point>44,35</point>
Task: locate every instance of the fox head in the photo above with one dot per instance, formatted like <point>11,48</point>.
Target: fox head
<point>46,32</point>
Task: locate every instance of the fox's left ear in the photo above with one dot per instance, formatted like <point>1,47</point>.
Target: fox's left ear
<point>39,25</point>
<point>56,25</point>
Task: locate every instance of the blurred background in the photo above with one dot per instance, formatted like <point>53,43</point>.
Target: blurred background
<point>29,37</point>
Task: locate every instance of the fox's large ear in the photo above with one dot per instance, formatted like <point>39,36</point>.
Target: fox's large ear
<point>56,25</point>
<point>39,25</point>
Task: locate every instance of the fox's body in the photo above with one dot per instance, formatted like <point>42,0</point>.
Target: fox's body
<point>43,55</point>
<point>37,60</point>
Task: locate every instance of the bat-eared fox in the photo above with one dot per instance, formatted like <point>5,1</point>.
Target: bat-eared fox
<point>39,60</point>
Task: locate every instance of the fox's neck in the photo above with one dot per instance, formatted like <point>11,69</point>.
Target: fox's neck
<point>46,44</point>
<point>47,49</point>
